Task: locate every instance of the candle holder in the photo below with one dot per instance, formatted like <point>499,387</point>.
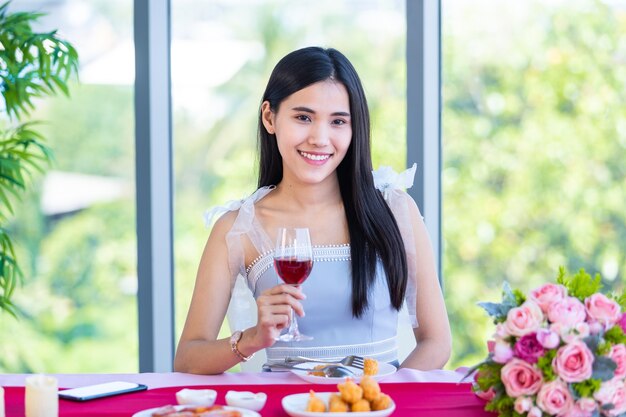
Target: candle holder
<point>42,396</point>
<point>2,402</point>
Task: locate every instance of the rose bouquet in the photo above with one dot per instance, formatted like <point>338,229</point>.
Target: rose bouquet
<point>558,351</point>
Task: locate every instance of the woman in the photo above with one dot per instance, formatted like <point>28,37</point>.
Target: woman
<point>370,253</point>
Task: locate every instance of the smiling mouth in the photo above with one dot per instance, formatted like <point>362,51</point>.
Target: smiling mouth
<point>314,157</point>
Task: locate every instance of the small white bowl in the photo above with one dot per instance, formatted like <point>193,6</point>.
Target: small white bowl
<point>246,399</point>
<point>204,397</point>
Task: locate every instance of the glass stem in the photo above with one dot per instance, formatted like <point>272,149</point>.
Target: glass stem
<point>293,325</point>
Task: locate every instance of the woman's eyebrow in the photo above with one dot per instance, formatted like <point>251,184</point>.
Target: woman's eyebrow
<point>308,110</point>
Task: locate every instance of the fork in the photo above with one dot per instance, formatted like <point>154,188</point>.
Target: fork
<point>333,371</point>
<point>351,360</point>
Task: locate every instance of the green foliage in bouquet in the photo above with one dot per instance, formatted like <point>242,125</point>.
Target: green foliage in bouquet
<point>544,363</point>
<point>510,298</point>
<point>32,65</point>
<point>579,285</point>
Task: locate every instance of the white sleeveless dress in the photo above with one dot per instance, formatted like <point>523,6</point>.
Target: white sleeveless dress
<point>336,333</point>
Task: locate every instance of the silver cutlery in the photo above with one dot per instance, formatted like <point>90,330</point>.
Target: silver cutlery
<point>351,360</point>
<point>332,371</point>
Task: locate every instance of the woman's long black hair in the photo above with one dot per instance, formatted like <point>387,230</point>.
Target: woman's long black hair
<point>374,233</point>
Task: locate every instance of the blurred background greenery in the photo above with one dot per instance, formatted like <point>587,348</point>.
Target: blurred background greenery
<point>534,144</point>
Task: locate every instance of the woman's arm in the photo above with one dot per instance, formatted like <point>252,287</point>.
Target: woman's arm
<point>434,342</point>
<point>199,351</point>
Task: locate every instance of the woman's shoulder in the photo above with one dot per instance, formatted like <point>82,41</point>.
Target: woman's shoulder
<point>237,226</point>
<point>225,222</point>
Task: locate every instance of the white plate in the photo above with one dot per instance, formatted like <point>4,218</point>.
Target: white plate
<point>384,370</point>
<point>243,411</point>
<point>295,404</point>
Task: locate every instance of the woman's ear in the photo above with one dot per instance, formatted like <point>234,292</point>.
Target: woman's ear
<point>267,116</point>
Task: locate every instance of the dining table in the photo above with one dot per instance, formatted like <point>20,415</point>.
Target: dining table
<point>440,393</point>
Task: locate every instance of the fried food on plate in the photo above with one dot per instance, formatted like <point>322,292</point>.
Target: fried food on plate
<point>317,370</point>
<point>350,391</point>
<point>381,403</point>
<point>361,405</point>
<point>315,404</point>
<point>371,389</point>
<point>337,405</point>
<point>370,366</point>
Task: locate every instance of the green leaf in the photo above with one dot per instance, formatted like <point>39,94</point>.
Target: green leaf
<point>581,285</point>
<point>603,368</point>
<point>592,342</point>
<point>621,300</point>
<point>488,375</point>
<point>520,297</point>
<point>34,64</point>
<point>495,310</point>
<point>10,274</point>
<point>502,404</point>
<point>545,365</point>
<point>499,311</point>
<point>587,387</point>
<point>615,335</point>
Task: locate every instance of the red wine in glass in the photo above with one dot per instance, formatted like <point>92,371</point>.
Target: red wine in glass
<point>293,261</point>
<point>293,271</point>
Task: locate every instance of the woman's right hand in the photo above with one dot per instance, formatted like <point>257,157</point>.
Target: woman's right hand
<point>273,310</point>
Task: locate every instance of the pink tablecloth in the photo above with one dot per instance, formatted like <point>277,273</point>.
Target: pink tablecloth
<point>411,398</point>
<point>171,379</point>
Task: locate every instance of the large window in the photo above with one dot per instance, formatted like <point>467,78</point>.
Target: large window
<point>534,139</point>
<point>534,144</point>
<point>75,233</point>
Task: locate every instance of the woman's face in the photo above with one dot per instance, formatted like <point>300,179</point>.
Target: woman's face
<point>313,130</point>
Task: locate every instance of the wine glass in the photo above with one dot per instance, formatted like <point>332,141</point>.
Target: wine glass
<point>293,261</point>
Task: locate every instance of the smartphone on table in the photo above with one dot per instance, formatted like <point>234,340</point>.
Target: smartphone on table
<point>107,389</point>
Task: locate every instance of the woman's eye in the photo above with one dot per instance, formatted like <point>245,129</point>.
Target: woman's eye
<point>339,122</point>
<point>303,118</point>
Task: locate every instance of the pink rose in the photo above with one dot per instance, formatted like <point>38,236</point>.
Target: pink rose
<point>612,392</point>
<point>573,362</point>
<point>586,404</point>
<point>554,398</point>
<point>602,308</point>
<point>520,378</point>
<point>522,404</point>
<point>595,327</point>
<point>524,319</point>
<point>618,354</point>
<point>548,339</point>
<point>547,294</point>
<point>535,412</point>
<point>576,411</point>
<point>502,352</point>
<point>567,312</point>
<point>581,330</point>
<point>528,348</point>
<point>501,332</point>
<point>578,332</point>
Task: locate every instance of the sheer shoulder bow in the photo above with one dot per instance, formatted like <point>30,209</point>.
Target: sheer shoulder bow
<point>392,185</point>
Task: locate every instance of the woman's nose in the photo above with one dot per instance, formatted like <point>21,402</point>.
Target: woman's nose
<point>319,135</point>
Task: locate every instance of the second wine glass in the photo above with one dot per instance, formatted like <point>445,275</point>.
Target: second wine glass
<point>293,261</point>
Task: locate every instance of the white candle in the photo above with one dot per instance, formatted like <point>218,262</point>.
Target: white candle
<point>1,402</point>
<point>42,396</point>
